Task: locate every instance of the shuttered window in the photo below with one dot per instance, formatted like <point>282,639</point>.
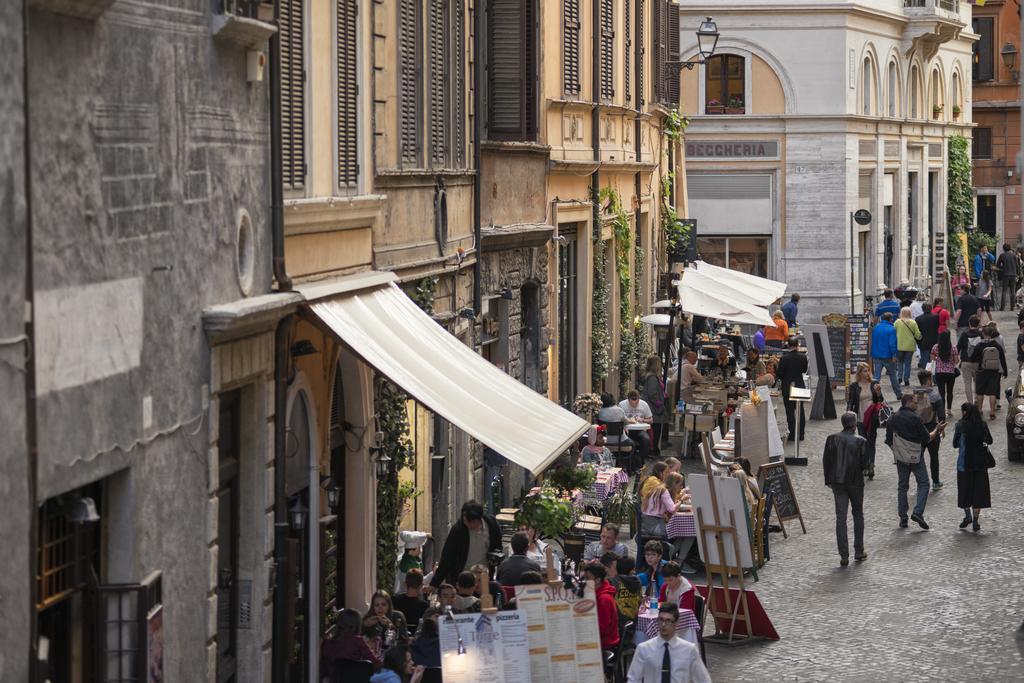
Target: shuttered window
<point>457,83</point>
<point>511,70</point>
<point>627,43</point>
<point>671,74</point>
<point>348,93</point>
<point>984,49</point>
<point>409,82</point>
<point>571,46</point>
<point>607,49</point>
<point>437,54</point>
<point>293,95</point>
<point>659,47</point>
<point>641,50</point>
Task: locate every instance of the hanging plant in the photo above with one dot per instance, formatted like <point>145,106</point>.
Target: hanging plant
<point>600,335</point>
<point>549,513</point>
<point>675,123</point>
<point>567,479</point>
<point>393,422</point>
<point>674,230</point>
<point>960,203</point>
<point>423,295</point>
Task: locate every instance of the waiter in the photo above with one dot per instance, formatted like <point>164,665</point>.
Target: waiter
<point>792,367</point>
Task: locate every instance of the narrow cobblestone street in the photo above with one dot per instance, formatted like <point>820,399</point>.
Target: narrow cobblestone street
<point>942,604</point>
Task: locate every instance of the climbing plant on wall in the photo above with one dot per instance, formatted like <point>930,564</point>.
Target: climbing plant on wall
<point>960,203</point>
<point>393,422</point>
<point>424,293</point>
<point>673,229</point>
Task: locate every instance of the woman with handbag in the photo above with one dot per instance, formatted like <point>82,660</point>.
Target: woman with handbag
<point>973,462</point>
<point>907,336</point>
<point>653,391</point>
<point>946,358</point>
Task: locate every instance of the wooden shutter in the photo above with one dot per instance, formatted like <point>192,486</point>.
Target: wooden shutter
<point>641,49</point>
<point>671,73</point>
<point>571,46</point>
<point>607,49</point>
<point>457,83</point>
<point>437,56</point>
<point>984,49</point>
<point>409,82</point>
<point>659,17</point>
<point>511,72</point>
<point>293,95</point>
<point>627,42</point>
<point>348,93</point>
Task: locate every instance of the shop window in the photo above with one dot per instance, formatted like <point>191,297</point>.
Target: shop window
<point>743,254</point>
<point>982,147</point>
<point>725,85</point>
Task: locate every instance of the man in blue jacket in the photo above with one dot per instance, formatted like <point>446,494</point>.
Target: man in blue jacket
<point>883,351</point>
<point>888,304</point>
<point>790,309</point>
<point>983,260</point>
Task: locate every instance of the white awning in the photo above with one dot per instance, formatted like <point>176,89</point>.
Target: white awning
<point>390,333</point>
<point>714,292</point>
<point>758,290</point>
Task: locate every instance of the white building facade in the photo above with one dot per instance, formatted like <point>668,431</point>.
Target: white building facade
<point>811,110</point>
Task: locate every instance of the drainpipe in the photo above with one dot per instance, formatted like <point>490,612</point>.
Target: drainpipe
<point>31,417</point>
<point>279,658</point>
<point>595,134</point>
<point>478,132</point>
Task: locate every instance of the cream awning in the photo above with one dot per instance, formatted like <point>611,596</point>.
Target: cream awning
<point>724,294</point>
<point>390,333</point>
<point>758,290</point>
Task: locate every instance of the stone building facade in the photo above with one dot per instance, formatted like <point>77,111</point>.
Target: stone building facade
<point>808,113</point>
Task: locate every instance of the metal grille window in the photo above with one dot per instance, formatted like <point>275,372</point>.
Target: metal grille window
<point>982,148</point>
<point>346,12</point>
<point>293,94</point>
<point>607,49</point>
<point>571,46</point>
<point>511,70</point>
<point>627,43</point>
<point>409,81</point>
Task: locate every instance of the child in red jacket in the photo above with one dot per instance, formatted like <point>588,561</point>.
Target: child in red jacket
<point>676,589</point>
<point>607,610</point>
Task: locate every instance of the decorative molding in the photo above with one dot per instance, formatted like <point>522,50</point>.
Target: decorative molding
<point>331,214</point>
<point>82,9</point>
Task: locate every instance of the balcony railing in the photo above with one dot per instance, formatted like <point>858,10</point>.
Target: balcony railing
<point>946,5</point>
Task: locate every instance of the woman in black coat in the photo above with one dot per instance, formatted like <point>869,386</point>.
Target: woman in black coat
<point>972,464</point>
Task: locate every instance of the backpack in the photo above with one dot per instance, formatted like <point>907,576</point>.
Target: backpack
<point>904,451</point>
<point>923,406</point>
<point>990,358</point>
<point>972,342</point>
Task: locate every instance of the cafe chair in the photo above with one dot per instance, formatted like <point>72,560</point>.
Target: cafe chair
<point>352,671</point>
<point>574,545</point>
<point>698,612</point>
<point>623,655</point>
<point>619,444</point>
<point>432,675</point>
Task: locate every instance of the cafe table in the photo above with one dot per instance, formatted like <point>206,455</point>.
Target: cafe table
<point>681,525</point>
<point>647,624</point>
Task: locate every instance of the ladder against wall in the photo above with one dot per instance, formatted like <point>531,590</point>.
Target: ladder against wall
<point>939,256</point>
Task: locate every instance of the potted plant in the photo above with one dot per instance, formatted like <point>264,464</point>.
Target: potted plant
<point>407,493</point>
<point>621,508</point>
<point>587,406</point>
<point>735,105</point>
<point>936,111</point>
<point>567,479</point>
<point>714,107</point>
<point>956,112</point>
<point>547,512</point>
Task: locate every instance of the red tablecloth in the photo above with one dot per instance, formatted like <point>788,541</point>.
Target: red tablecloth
<point>608,482</point>
<point>647,621</point>
<point>682,525</point>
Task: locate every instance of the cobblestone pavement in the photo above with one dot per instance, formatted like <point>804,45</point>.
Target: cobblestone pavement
<point>930,605</point>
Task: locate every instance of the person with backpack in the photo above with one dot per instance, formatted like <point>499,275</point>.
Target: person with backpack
<point>883,351</point>
<point>965,344</point>
<point>931,407</point>
<point>1009,268</point>
<point>946,358</point>
<point>998,339</point>
<point>875,417</point>
<point>907,436</point>
<point>907,336</point>
<point>991,360</point>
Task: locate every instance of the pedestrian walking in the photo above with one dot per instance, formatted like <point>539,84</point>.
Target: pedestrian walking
<point>985,293</point>
<point>470,542</point>
<point>938,308</point>
<point>792,367</point>
<point>906,435</point>
<point>973,461</point>
<point>991,360</point>
<point>967,306</point>
<point>960,279</point>
<point>965,344</point>
<point>884,348</point>
<point>653,392</point>
<point>998,339</point>
<point>789,309</point>
<point>858,393</point>
<point>1008,266</point>
<point>930,405</point>
<point>844,463</point>
<point>1020,346</point>
<point>946,358</point>
<point>888,304</point>
<point>928,324</point>
<point>907,336</point>
<point>983,262</point>
<point>875,417</point>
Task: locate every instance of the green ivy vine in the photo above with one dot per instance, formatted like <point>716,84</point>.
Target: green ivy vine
<point>600,335</point>
<point>960,203</point>
<point>424,294</point>
<point>393,422</point>
<point>675,125</point>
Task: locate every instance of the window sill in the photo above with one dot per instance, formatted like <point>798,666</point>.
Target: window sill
<point>242,31</point>
<point>82,9</point>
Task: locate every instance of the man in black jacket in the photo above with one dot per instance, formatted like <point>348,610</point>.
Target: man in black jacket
<point>510,572</point>
<point>469,542</point>
<point>1009,268</point>
<point>792,367</point>
<point>844,463</point>
<point>906,428</point>
<point>928,323</point>
<point>965,344</point>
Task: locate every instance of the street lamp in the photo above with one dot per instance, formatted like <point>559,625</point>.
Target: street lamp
<point>297,515</point>
<point>333,491</point>
<point>707,41</point>
<point>383,463</point>
<point>1009,54</point>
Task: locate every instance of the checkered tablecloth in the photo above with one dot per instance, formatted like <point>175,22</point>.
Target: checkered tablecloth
<point>682,525</point>
<point>608,482</point>
<point>647,621</point>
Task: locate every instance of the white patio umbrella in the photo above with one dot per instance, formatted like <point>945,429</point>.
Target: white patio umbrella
<point>702,294</point>
<point>758,290</point>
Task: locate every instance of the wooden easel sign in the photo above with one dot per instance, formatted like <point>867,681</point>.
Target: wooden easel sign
<point>775,477</point>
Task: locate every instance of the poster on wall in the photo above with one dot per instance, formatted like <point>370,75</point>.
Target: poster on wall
<point>485,647</point>
<point>564,641</point>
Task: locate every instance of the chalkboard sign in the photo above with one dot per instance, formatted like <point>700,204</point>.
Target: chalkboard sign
<point>859,335</point>
<point>774,477</point>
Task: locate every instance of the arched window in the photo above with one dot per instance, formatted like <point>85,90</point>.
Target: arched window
<point>725,85</point>
<point>867,86</point>
<point>915,93</point>
<point>893,102</point>
<point>938,101</point>
<point>954,97</point>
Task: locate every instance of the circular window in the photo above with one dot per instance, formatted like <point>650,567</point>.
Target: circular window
<point>245,252</point>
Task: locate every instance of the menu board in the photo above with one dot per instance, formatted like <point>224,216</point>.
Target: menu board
<point>859,334</point>
<point>563,639</point>
<point>775,477</point>
<point>491,646</point>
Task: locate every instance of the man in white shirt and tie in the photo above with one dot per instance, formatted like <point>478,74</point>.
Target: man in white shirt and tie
<point>667,658</point>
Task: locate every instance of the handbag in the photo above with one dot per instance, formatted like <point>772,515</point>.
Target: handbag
<point>987,458</point>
